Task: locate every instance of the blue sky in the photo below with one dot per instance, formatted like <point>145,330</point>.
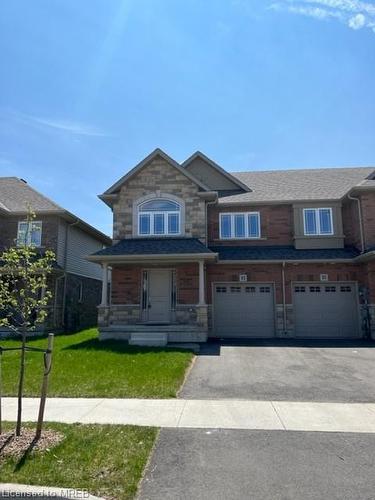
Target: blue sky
<point>90,87</point>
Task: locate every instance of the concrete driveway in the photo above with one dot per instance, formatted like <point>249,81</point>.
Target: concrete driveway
<point>260,465</point>
<point>335,372</point>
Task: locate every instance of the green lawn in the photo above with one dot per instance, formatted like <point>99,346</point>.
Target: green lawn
<point>83,366</point>
<point>107,460</point>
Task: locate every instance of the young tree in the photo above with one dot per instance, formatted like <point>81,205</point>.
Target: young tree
<point>24,295</point>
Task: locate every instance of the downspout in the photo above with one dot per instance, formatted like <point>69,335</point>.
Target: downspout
<point>213,202</point>
<point>361,232</point>
<point>68,226</point>
<point>284,295</point>
<point>363,248</point>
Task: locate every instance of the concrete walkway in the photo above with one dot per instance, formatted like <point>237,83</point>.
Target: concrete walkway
<point>203,414</point>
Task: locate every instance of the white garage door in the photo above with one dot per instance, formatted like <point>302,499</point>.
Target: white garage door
<point>244,310</point>
<point>328,310</point>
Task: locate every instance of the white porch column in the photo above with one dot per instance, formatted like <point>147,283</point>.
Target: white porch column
<point>104,285</point>
<point>202,301</point>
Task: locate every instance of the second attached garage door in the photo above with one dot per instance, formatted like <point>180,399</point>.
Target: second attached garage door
<point>244,310</point>
<point>325,310</point>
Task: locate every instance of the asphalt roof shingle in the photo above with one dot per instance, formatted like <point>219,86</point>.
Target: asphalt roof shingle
<point>16,196</point>
<point>282,253</point>
<point>293,185</point>
<point>151,246</point>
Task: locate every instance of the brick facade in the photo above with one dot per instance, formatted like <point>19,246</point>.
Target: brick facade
<point>368,215</point>
<point>126,289</point>
<point>272,273</point>
<point>276,224</point>
<point>9,230</point>
<point>83,296</point>
<point>126,285</point>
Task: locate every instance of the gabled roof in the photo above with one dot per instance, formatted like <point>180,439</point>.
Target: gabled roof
<point>298,185</point>
<point>17,196</point>
<point>157,152</point>
<point>199,155</point>
<point>272,186</point>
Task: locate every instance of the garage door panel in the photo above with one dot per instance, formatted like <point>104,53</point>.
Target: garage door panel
<point>325,310</point>
<point>244,310</point>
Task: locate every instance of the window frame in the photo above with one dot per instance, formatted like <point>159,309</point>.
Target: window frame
<point>232,216</point>
<point>28,238</point>
<point>317,221</point>
<point>165,215</point>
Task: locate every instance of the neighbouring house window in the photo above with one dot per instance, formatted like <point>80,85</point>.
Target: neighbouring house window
<point>240,226</point>
<point>29,233</point>
<point>317,221</point>
<point>159,217</point>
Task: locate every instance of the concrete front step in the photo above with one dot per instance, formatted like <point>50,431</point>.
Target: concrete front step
<point>155,339</point>
<point>173,333</point>
<point>149,327</point>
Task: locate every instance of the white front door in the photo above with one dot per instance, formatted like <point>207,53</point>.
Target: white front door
<point>159,296</point>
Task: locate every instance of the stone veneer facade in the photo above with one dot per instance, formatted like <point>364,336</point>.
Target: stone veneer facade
<point>158,179</point>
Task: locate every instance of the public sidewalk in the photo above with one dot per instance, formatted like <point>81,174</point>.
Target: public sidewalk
<point>203,414</point>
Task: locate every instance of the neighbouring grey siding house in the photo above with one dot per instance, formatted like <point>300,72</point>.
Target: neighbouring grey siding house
<point>75,283</point>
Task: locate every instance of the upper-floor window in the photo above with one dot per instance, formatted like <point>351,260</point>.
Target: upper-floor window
<point>29,233</point>
<point>240,225</point>
<point>317,221</point>
<point>159,217</point>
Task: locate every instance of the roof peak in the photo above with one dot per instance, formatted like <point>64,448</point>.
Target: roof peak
<point>217,167</point>
<point>156,152</point>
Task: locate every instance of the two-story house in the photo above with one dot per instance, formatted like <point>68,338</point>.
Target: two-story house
<point>76,284</point>
<point>201,252</point>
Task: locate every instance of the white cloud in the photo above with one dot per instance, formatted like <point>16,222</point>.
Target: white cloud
<point>65,126</point>
<point>345,5</point>
<point>353,13</point>
<point>74,128</point>
<point>316,12</point>
<point>357,22</point>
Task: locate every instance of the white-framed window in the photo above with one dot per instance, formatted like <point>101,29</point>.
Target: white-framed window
<point>29,233</point>
<point>317,221</point>
<point>244,225</point>
<point>159,217</point>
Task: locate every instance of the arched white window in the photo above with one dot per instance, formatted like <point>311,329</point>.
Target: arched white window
<point>159,217</point>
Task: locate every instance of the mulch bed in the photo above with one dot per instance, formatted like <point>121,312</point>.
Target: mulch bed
<point>17,446</point>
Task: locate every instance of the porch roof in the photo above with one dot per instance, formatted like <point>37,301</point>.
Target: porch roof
<point>154,247</point>
<point>282,253</point>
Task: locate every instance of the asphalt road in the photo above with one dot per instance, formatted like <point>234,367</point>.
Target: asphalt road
<point>260,465</point>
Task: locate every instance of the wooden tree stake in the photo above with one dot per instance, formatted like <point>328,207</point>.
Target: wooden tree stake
<point>43,392</point>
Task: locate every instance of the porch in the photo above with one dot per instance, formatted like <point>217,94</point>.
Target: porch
<point>152,299</point>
